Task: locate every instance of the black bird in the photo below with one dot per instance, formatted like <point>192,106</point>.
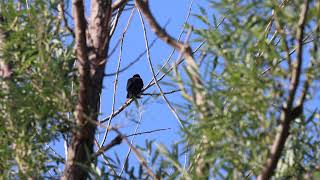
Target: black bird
<point>134,86</point>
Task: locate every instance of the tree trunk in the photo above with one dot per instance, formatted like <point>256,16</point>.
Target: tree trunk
<point>91,46</point>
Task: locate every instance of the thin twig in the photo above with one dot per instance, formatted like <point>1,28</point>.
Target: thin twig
<point>115,20</point>
<point>126,104</point>
<point>139,57</point>
<point>132,139</point>
<point>180,35</point>
<point>54,152</point>
<point>116,141</point>
<point>65,21</point>
<point>116,78</point>
<point>105,158</point>
<point>284,58</point>
<point>192,67</point>
<point>162,34</point>
<point>153,73</point>
<point>138,155</point>
<point>286,46</point>
<point>151,83</point>
<point>148,132</point>
<point>118,4</point>
<point>268,28</point>
<point>158,94</point>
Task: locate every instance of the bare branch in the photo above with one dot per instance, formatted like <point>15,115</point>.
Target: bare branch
<point>284,40</point>
<point>161,33</point>
<point>192,67</point>
<point>180,35</point>
<point>117,75</point>
<point>132,139</point>
<point>304,92</point>
<point>154,76</point>
<point>116,141</point>
<point>148,132</point>
<point>288,113</point>
<point>65,21</point>
<point>152,82</point>
<point>136,59</point>
<point>115,20</point>
<point>177,75</point>
<point>158,94</point>
<point>138,155</point>
<point>296,72</point>
<point>117,4</point>
<point>105,158</point>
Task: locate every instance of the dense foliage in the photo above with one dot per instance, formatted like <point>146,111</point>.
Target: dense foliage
<point>36,100</point>
<point>247,70</point>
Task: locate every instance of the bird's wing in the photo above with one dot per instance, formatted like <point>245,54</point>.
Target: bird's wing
<point>129,83</point>
<point>140,83</point>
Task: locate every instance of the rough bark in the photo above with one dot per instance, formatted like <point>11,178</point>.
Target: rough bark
<point>91,48</point>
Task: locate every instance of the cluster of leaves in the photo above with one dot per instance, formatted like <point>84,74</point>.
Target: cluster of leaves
<point>36,101</point>
<point>244,101</point>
